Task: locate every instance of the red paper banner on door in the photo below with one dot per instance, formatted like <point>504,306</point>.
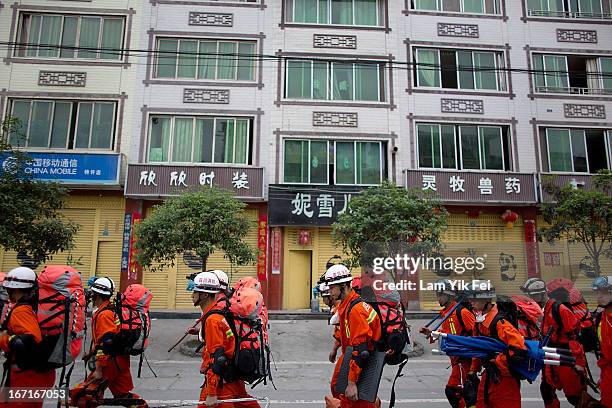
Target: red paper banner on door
<point>262,245</point>
<point>276,249</point>
<point>134,268</point>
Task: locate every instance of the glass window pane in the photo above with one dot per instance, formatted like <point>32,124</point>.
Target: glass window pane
<point>83,125</point>
<point>448,147</point>
<point>305,11</point>
<point>342,81</point>
<point>491,146</point>
<point>427,136</point>
<point>61,125</point>
<point>590,8</point>
<point>203,141</point>
<point>296,161</point>
<point>21,110</point>
<point>207,64</point>
<point>112,37</point>
<point>69,37</point>
<point>246,61</point>
<point>89,37</point>
<point>342,12</point>
<point>365,12</point>
<point>166,58</point>
<point>33,37</point>
<point>579,151</point>
<point>451,5</point>
<point>366,82</point>
<point>299,77</point>
<point>469,148</point>
<point>319,80</point>
<point>473,6</point>
<point>323,11</point>
<point>491,7</point>
<point>318,162</point>
<point>226,62</point>
<point>103,124</point>
<point>428,68</point>
<point>242,141</point>
<point>538,66</point>
<point>426,4</point>
<point>556,72</point>
<point>222,127</point>
<point>559,150</point>
<point>345,163</point>
<point>160,139</point>
<point>466,69</point>
<point>181,140</point>
<point>40,125</point>
<point>187,59</point>
<point>50,34</point>
<point>606,70</point>
<point>485,74</point>
<point>368,163</point>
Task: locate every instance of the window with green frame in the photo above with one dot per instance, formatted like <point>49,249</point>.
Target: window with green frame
<point>463,147</point>
<point>70,36</point>
<point>306,161</point>
<point>337,12</point>
<point>310,79</point>
<point>578,150</point>
<point>200,139</point>
<point>458,6</point>
<point>64,124</point>
<point>459,69</point>
<point>205,59</point>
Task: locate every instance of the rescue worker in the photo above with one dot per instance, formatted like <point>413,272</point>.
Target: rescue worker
<point>323,289</point>
<point>223,282</point>
<point>110,370</point>
<point>360,330</point>
<point>460,322</point>
<point>219,347</point>
<point>498,387</point>
<point>603,288</point>
<point>22,334</point>
<point>554,378</point>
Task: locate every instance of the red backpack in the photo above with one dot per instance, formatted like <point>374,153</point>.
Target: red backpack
<point>529,316</point>
<point>61,315</point>
<point>132,309</point>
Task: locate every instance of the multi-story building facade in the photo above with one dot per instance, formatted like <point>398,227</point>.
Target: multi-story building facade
<point>297,105</point>
<point>66,74</point>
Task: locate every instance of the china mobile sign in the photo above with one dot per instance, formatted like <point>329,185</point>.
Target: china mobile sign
<point>145,180</point>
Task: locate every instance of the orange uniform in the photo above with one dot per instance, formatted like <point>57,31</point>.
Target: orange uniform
<point>560,377</point>
<point>337,344</point>
<point>218,334</point>
<point>604,333</point>
<point>498,388</point>
<point>115,368</point>
<point>361,326</point>
<point>462,325</point>
<point>23,321</point>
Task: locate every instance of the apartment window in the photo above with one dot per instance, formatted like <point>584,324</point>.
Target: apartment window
<point>358,162</point>
<point>338,12</point>
<point>577,150</point>
<point>182,139</point>
<point>463,147</point>
<point>576,74</point>
<point>64,124</point>
<point>306,161</point>
<point>334,81</point>
<point>70,36</point>
<point>458,6</point>
<point>569,8</point>
<point>459,69</point>
<point>205,59</point>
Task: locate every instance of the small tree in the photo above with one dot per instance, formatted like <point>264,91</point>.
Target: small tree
<point>581,216</point>
<point>202,222</point>
<point>31,222</point>
<point>384,217</point>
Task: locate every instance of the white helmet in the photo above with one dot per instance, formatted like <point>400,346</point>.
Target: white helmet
<point>20,278</point>
<point>323,289</point>
<point>103,286</point>
<point>223,278</point>
<point>206,282</point>
<point>337,274</point>
<point>534,286</point>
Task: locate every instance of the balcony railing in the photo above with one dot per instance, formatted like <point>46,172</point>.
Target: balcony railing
<point>573,90</point>
<point>569,14</point>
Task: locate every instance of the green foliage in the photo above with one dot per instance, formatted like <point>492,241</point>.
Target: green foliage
<point>202,222</point>
<point>581,216</point>
<point>384,215</point>
<point>30,210</point>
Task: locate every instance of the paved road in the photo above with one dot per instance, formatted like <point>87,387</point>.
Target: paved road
<point>302,370</point>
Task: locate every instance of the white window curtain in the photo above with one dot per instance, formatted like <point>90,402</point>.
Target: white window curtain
<point>428,68</point>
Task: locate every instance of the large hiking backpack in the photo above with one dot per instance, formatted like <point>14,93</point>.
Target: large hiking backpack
<point>61,315</point>
<point>132,309</point>
<point>5,303</point>
<point>250,282</point>
<point>586,332</point>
